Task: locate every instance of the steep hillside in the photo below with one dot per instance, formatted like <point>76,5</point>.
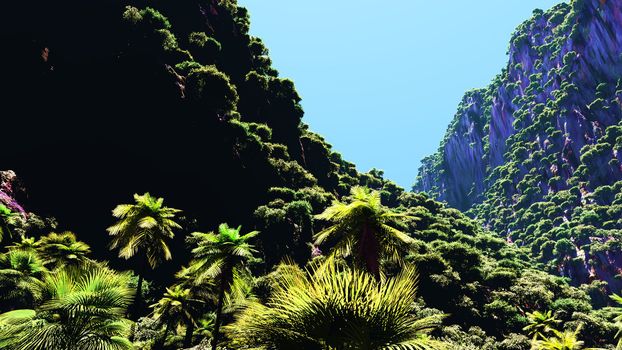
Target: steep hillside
<point>106,99</point>
<point>536,154</point>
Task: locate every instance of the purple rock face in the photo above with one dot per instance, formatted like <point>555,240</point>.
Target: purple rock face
<point>7,181</point>
<point>540,147</point>
<point>559,57</point>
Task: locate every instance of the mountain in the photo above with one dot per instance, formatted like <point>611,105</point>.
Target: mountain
<point>106,99</point>
<point>535,155</point>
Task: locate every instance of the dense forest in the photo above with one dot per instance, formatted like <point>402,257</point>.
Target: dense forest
<point>161,191</point>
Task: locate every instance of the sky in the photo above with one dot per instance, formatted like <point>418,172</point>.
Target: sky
<point>381,80</point>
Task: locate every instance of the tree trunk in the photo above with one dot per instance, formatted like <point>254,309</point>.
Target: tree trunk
<point>189,333</point>
<point>369,250</point>
<point>138,299</point>
<point>221,297</point>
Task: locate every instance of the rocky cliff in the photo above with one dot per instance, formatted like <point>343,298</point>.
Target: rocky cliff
<point>536,155</point>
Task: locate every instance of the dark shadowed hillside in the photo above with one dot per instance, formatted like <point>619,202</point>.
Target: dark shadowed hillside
<point>153,129</point>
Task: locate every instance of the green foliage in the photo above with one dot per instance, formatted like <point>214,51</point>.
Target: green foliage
<point>541,324</point>
<point>143,228</point>
<point>220,257</point>
<point>75,312</point>
<point>63,251</point>
<point>204,47</point>
<point>7,220</point>
<point>177,308</point>
<point>363,227</point>
<point>212,89</point>
<point>230,109</point>
<point>306,307</point>
<point>20,279</point>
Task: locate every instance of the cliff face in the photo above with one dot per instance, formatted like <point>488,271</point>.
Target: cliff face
<point>7,193</point>
<point>548,168</point>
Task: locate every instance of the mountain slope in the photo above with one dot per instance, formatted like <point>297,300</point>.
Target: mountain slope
<point>109,99</point>
<point>536,154</point>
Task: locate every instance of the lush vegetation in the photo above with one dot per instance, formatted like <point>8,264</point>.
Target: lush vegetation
<point>268,239</point>
<point>543,149</point>
<point>436,281</point>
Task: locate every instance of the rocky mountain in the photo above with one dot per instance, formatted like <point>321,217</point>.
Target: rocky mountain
<point>536,155</point>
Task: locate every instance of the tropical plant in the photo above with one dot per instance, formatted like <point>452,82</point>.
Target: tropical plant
<point>540,324</point>
<point>63,250</point>
<point>330,306</point>
<point>220,256</point>
<point>205,327</point>
<point>7,219</point>
<point>178,307</point>
<point>618,320</point>
<point>25,244</point>
<point>363,227</point>
<point>20,278</point>
<point>239,295</point>
<point>78,312</point>
<point>566,340</point>
<point>143,229</point>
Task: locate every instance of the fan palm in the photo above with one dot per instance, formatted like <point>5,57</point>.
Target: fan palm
<point>334,307</point>
<point>566,340</point>
<point>540,324</point>
<point>364,226</point>
<point>63,250</point>
<point>77,313</point>
<point>25,244</point>
<point>220,256</point>
<point>144,229</point>
<point>178,307</point>
<point>20,278</point>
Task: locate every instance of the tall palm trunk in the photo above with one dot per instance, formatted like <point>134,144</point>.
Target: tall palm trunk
<point>369,250</point>
<point>138,299</point>
<point>221,299</point>
<point>189,333</point>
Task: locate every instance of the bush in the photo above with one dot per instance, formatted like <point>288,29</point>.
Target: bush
<point>212,89</point>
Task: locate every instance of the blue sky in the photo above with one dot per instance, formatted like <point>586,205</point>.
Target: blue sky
<point>381,80</point>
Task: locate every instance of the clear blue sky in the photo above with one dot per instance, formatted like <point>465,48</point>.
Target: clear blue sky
<point>381,80</point>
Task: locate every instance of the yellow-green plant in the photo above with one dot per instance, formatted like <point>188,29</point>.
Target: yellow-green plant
<point>331,306</point>
<point>77,312</point>
<point>143,229</point>
<point>178,307</point>
<point>220,257</point>
<point>363,227</point>
<point>540,323</point>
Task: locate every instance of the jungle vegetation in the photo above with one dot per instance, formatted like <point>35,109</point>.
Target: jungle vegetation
<point>245,229</point>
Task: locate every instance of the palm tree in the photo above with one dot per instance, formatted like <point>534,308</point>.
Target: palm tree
<point>566,340</point>
<point>540,324</point>
<point>364,226</point>
<point>178,307</point>
<point>7,219</point>
<point>335,307</point>
<point>64,250</point>
<point>220,256</point>
<point>143,229</point>
<point>20,278</point>
<point>77,313</point>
